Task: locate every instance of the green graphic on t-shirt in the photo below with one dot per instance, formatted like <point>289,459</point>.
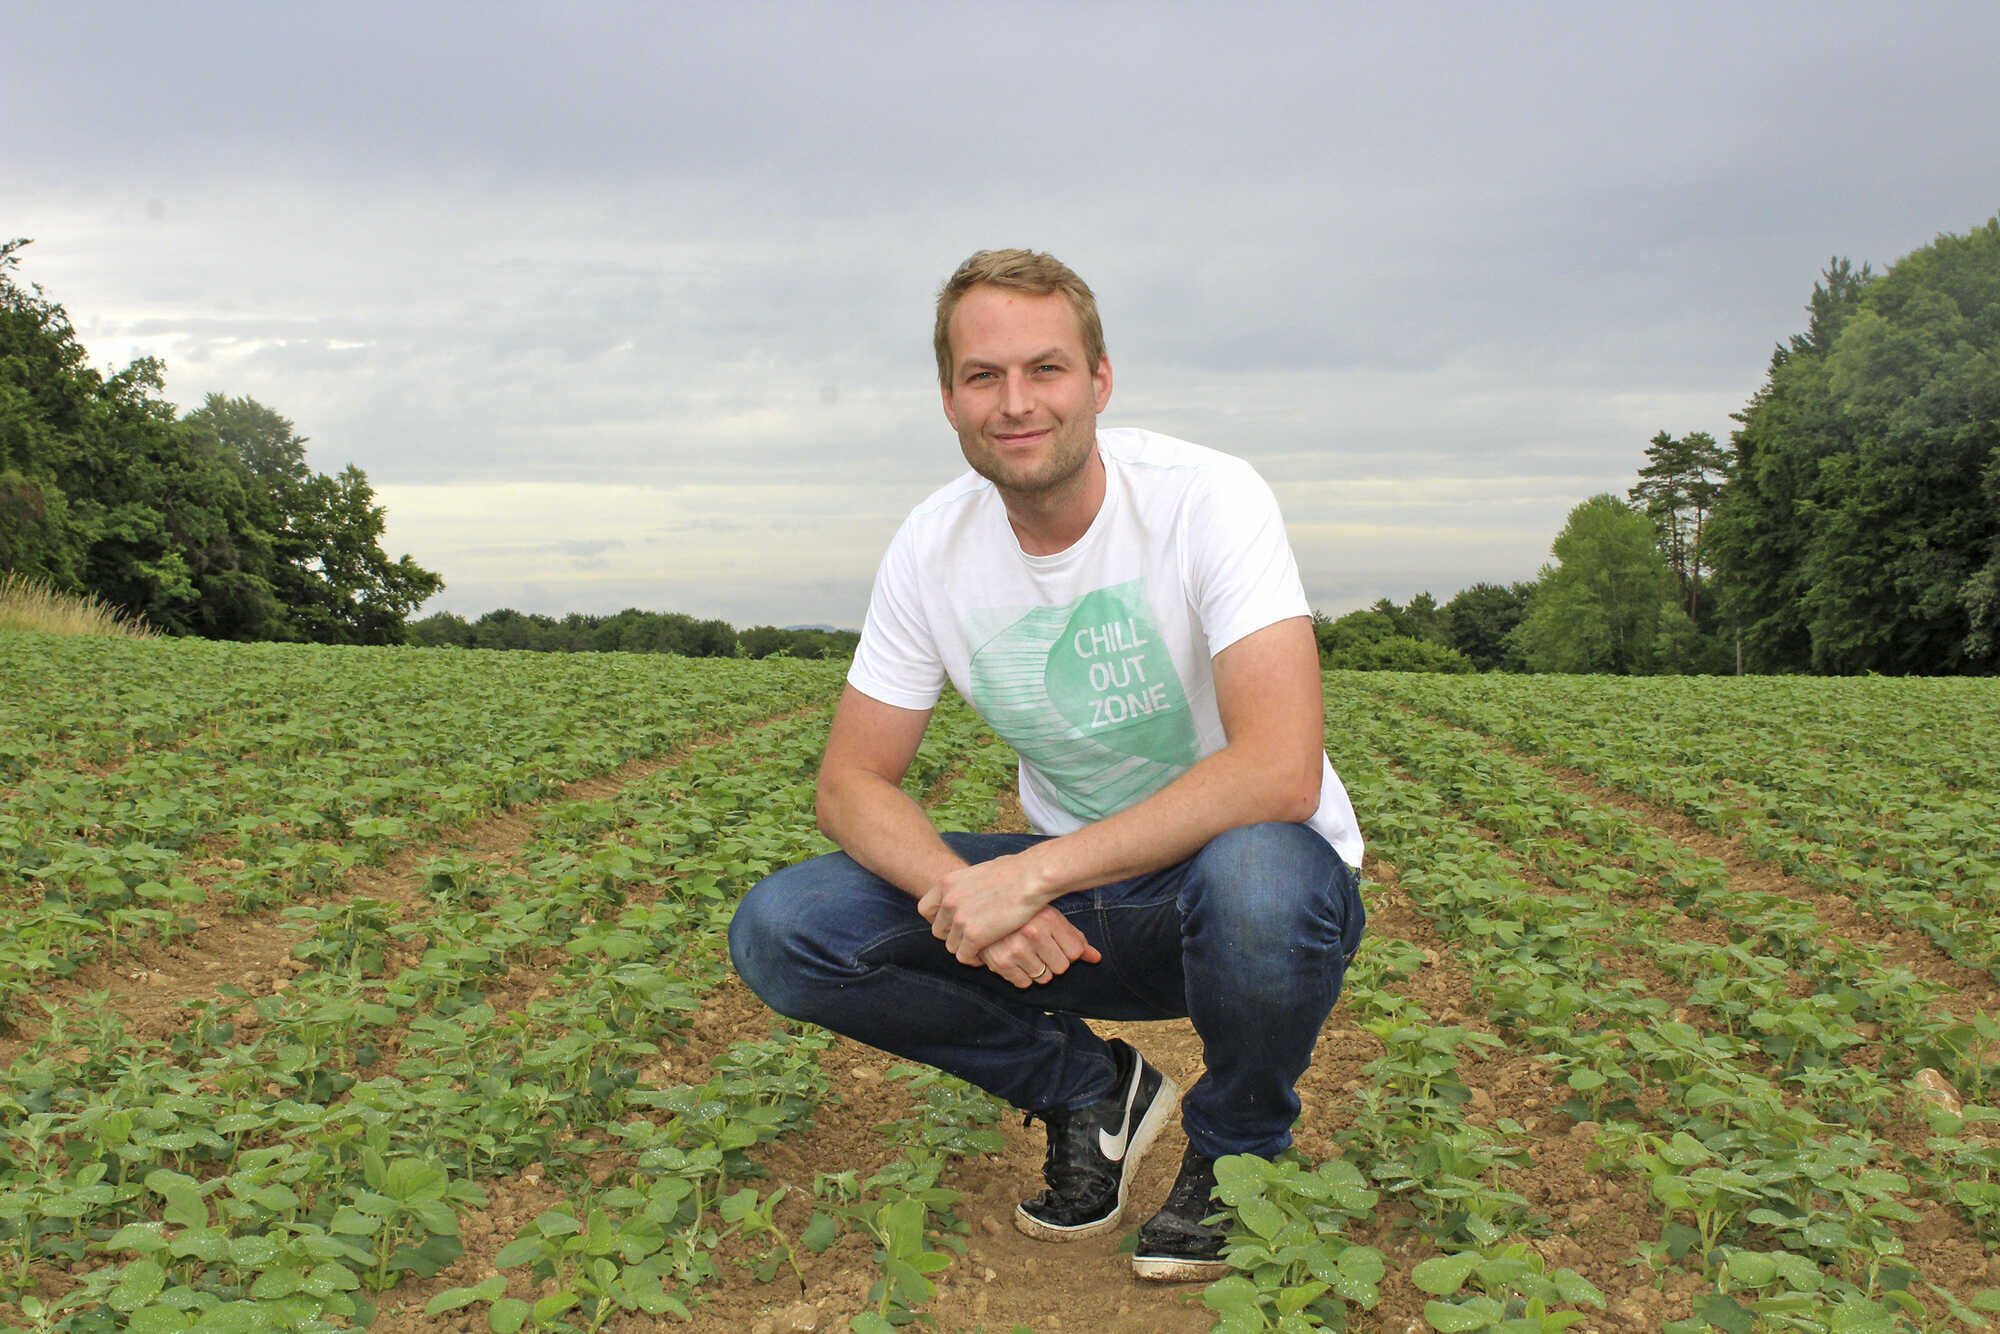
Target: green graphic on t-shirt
<point>1088,695</point>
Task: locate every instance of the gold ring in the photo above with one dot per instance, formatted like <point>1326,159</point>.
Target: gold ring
<point>1036,977</point>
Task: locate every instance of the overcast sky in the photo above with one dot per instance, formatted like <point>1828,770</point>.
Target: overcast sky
<point>630,305</point>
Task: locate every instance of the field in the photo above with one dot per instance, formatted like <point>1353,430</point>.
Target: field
<point>387,986</point>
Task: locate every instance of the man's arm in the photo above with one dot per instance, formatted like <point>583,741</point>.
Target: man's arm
<point>863,808</point>
<point>1267,688</point>
<point>861,803</point>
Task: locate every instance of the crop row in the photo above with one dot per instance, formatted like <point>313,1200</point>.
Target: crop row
<point>1905,843</point>
<point>279,804</point>
<point>1760,1155</point>
<point>294,1154</point>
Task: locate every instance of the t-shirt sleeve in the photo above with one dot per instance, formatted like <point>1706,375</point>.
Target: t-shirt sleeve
<point>897,660</point>
<point>1242,571</point>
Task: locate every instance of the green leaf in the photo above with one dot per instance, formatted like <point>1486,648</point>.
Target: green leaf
<point>820,1233</point>
<point>1232,1293</point>
<point>1724,1313</point>
<point>1449,1319</point>
<point>556,1223</point>
<point>1684,1150</point>
<point>252,1250</point>
<point>351,1222</point>
<point>1574,1287</point>
<point>453,1298</point>
<point>426,1259</point>
<point>1443,1275</point>
<point>209,1244</point>
<point>436,1216</point>
<point>1752,1269</point>
<point>553,1305</point>
<point>185,1207</point>
<point>1679,1239</point>
<point>138,1283</point>
<point>1292,1300</point>
<point>507,1315</point>
<point>1858,1315</point>
<point>145,1238</point>
<point>157,1320</point>
<point>275,1283</point>
<point>520,1251</point>
<point>329,1278</point>
<point>1261,1216</point>
<point>1239,1177</point>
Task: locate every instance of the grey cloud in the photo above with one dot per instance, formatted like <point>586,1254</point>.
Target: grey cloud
<point>646,245</point>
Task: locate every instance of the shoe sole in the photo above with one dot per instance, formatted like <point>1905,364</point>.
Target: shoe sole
<point>1143,1135</point>
<point>1175,1269</point>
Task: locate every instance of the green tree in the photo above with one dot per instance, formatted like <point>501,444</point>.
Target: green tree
<point>1369,641</point>
<point>1606,602</point>
<point>1482,616</point>
<point>1422,619</point>
<point>441,629</point>
<point>101,489</point>
<point>210,525</point>
<point>1677,488</point>
<point>1860,530</point>
<point>320,535</point>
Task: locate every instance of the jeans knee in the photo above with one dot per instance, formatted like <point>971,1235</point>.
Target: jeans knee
<point>1271,888</point>
<point>754,940</point>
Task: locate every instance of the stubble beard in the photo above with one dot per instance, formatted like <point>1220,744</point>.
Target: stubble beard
<point>1070,447</point>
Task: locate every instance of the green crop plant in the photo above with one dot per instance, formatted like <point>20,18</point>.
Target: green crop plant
<point>903,1252</point>
<point>400,1218</point>
<point>1296,1271</point>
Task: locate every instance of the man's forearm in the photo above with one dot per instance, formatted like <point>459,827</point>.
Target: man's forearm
<point>1225,790</point>
<point>875,822</point>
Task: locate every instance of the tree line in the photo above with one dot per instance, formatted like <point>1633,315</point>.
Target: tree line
<point>630,631</point>
<point>1851,524</point>
<point>206,524</point>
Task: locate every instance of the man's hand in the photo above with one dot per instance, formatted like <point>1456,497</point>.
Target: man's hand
<point>1042,949</point>
<point>977,906</point>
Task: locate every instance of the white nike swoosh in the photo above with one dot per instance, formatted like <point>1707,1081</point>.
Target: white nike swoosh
<point>1113,1146</point>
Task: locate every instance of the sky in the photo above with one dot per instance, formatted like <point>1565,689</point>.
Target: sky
<point>630,305</point>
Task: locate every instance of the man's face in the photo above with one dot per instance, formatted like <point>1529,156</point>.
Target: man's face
<point>1022,399</point>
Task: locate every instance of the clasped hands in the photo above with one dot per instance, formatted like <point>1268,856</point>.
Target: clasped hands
<point>993,914</point>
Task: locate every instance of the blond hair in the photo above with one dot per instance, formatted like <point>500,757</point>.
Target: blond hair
<point>1019,271</point>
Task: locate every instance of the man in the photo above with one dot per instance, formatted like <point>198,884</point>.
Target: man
<point>1124,610</point>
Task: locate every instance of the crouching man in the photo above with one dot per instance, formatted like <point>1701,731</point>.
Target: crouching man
<point>1123,608</point>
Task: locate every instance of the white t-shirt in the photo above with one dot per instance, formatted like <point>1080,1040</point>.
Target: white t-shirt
<point>1094,664</point>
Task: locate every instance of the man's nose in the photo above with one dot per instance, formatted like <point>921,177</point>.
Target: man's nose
<point>1018,400</point>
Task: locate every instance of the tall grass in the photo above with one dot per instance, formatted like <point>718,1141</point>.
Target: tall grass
<point>29,604</point>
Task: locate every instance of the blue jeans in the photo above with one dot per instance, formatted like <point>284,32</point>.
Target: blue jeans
<point>1248,939</point>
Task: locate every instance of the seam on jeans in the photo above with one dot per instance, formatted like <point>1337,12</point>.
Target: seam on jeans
<point>861,955</point>
<point>1124,974</point>
<point>998,1010</point>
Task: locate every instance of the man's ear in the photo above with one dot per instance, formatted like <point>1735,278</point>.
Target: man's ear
<point>950,413</point>
<point>1101,377</point>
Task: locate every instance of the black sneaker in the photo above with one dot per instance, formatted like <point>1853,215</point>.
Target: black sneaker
<point>1094,1152</point>
<point>1175,1246</point>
